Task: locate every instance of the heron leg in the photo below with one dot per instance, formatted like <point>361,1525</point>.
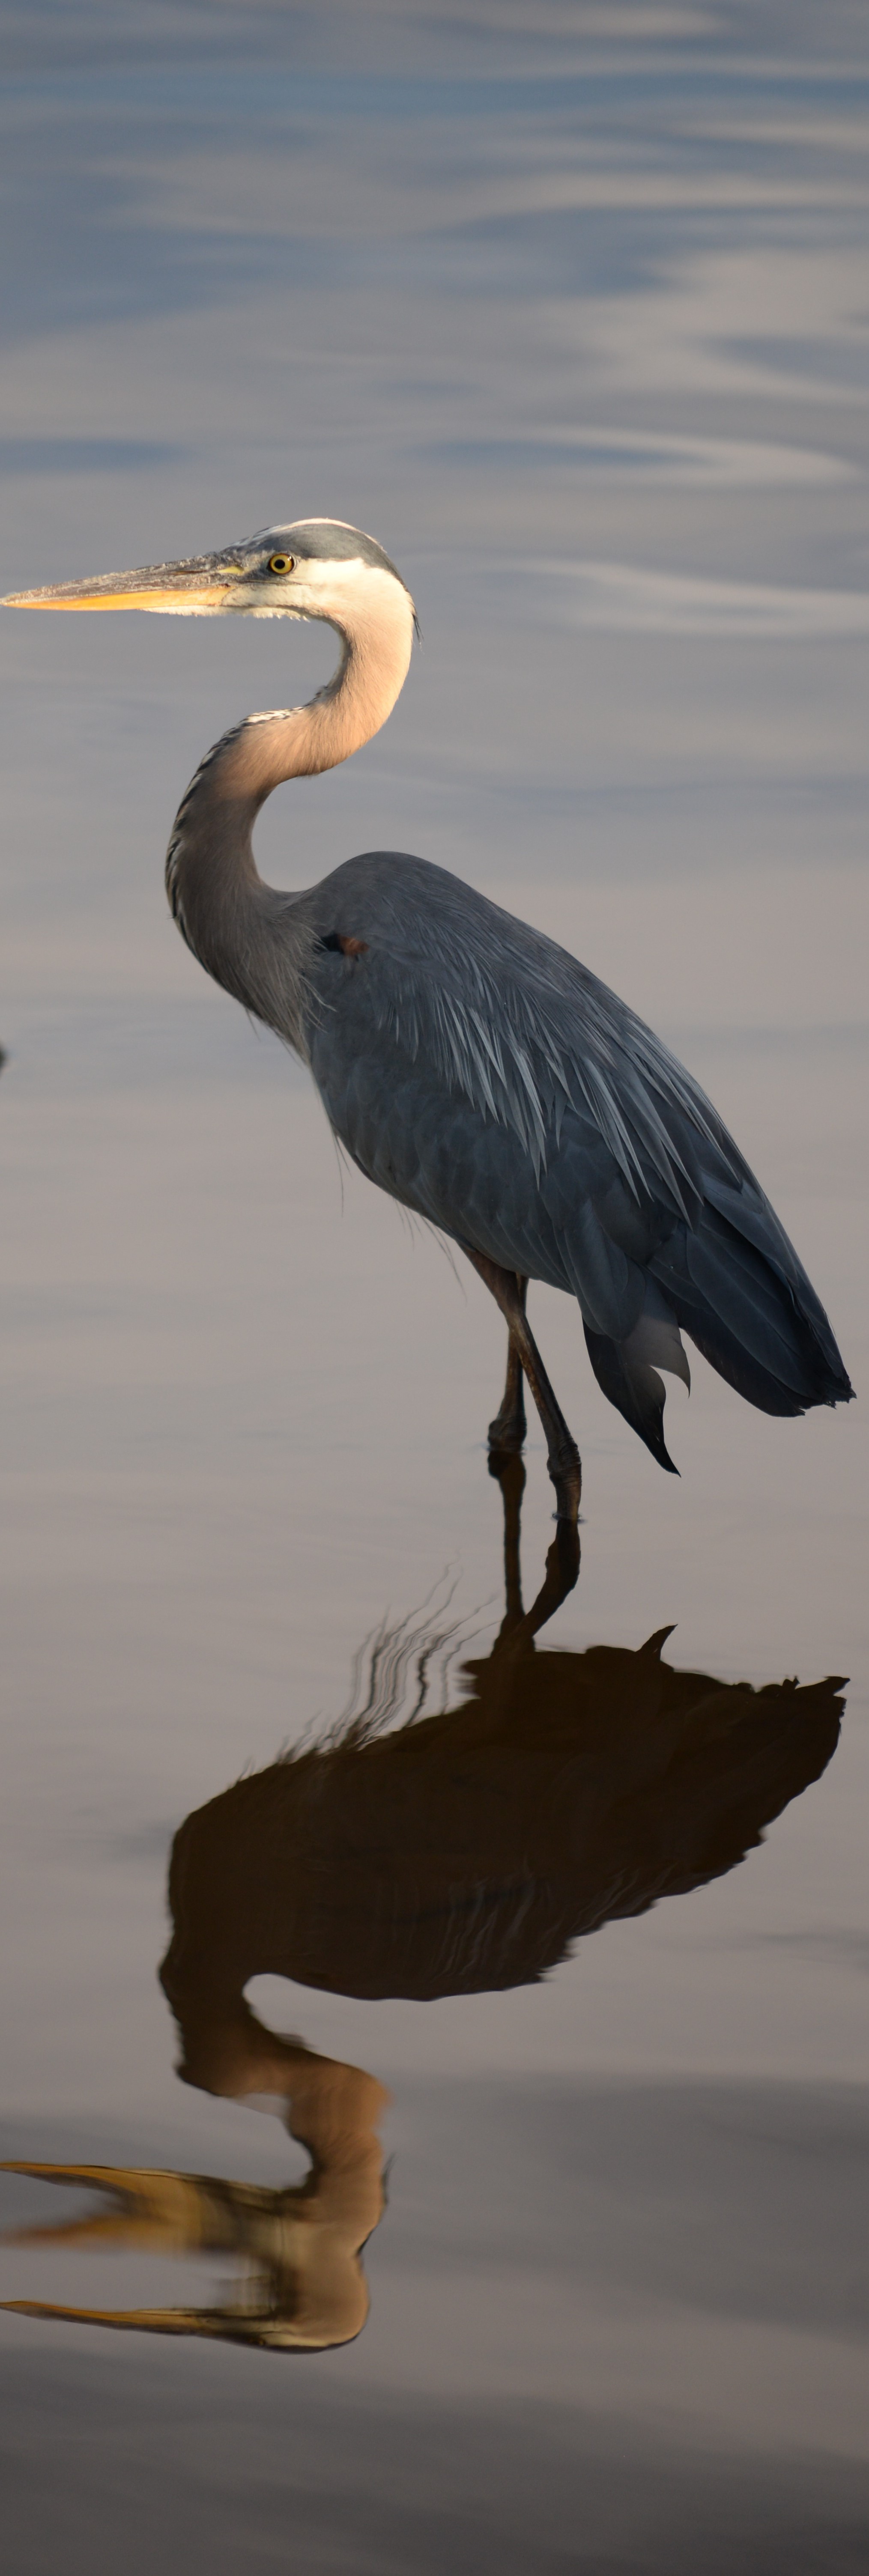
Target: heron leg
<point>562,1455</point>
<point>507,1432</point>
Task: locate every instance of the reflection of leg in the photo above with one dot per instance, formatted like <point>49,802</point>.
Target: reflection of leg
<point>507,1432</point>
<point>562,1562</point>
<point>562,1568</point>
<point>511,1478</point>
<point>563,1458</point>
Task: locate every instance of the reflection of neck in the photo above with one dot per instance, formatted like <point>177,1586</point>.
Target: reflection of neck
<point>243,932</point>
<point>333,2110</point>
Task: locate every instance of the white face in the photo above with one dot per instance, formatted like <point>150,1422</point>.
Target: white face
<point>343,591</point>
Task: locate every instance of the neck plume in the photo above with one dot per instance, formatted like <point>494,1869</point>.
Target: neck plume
<point>242,931</point>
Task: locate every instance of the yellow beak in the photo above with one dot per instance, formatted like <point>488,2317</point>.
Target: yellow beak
<point>183,589</point>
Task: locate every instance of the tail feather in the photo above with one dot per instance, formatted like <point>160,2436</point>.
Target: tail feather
<point>733,1282</point>
<point>752,1217</point>
<point>735,1365</point>
<point>738,1286</point>
<point>749,1320</point>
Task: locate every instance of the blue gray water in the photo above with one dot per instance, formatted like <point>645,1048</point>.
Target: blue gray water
<point>567,304</point>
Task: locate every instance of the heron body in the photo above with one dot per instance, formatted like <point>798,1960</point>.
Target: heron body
<point>470,1066</point>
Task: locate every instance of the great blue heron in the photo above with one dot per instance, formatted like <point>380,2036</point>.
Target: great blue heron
<point>470,1066</point>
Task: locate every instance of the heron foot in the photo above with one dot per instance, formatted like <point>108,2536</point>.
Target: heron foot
<point>507,1431</point>
<point>565,1468</point>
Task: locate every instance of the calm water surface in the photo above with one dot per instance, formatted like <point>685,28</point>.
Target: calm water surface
<point>556,2001</point>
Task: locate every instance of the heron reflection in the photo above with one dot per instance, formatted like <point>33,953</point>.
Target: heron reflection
<point>454,1853</point>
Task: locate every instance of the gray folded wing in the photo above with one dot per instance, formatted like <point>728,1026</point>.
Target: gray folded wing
<point>483,1077</point>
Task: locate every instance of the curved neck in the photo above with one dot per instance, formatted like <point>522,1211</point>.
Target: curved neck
<point>241,930</point>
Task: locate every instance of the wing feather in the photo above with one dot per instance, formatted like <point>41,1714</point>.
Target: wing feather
<point>520,1030</point>
<point>498,1083</point>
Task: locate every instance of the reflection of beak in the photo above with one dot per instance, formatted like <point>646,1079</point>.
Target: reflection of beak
<point>206,2322</point>
<point>183,589</point>
<point>261,2328</point>
<point>301,2287</point>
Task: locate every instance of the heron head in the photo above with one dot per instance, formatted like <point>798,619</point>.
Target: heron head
<point>313,568</point>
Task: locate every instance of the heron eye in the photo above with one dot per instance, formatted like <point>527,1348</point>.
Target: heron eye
<point>282,563</point>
